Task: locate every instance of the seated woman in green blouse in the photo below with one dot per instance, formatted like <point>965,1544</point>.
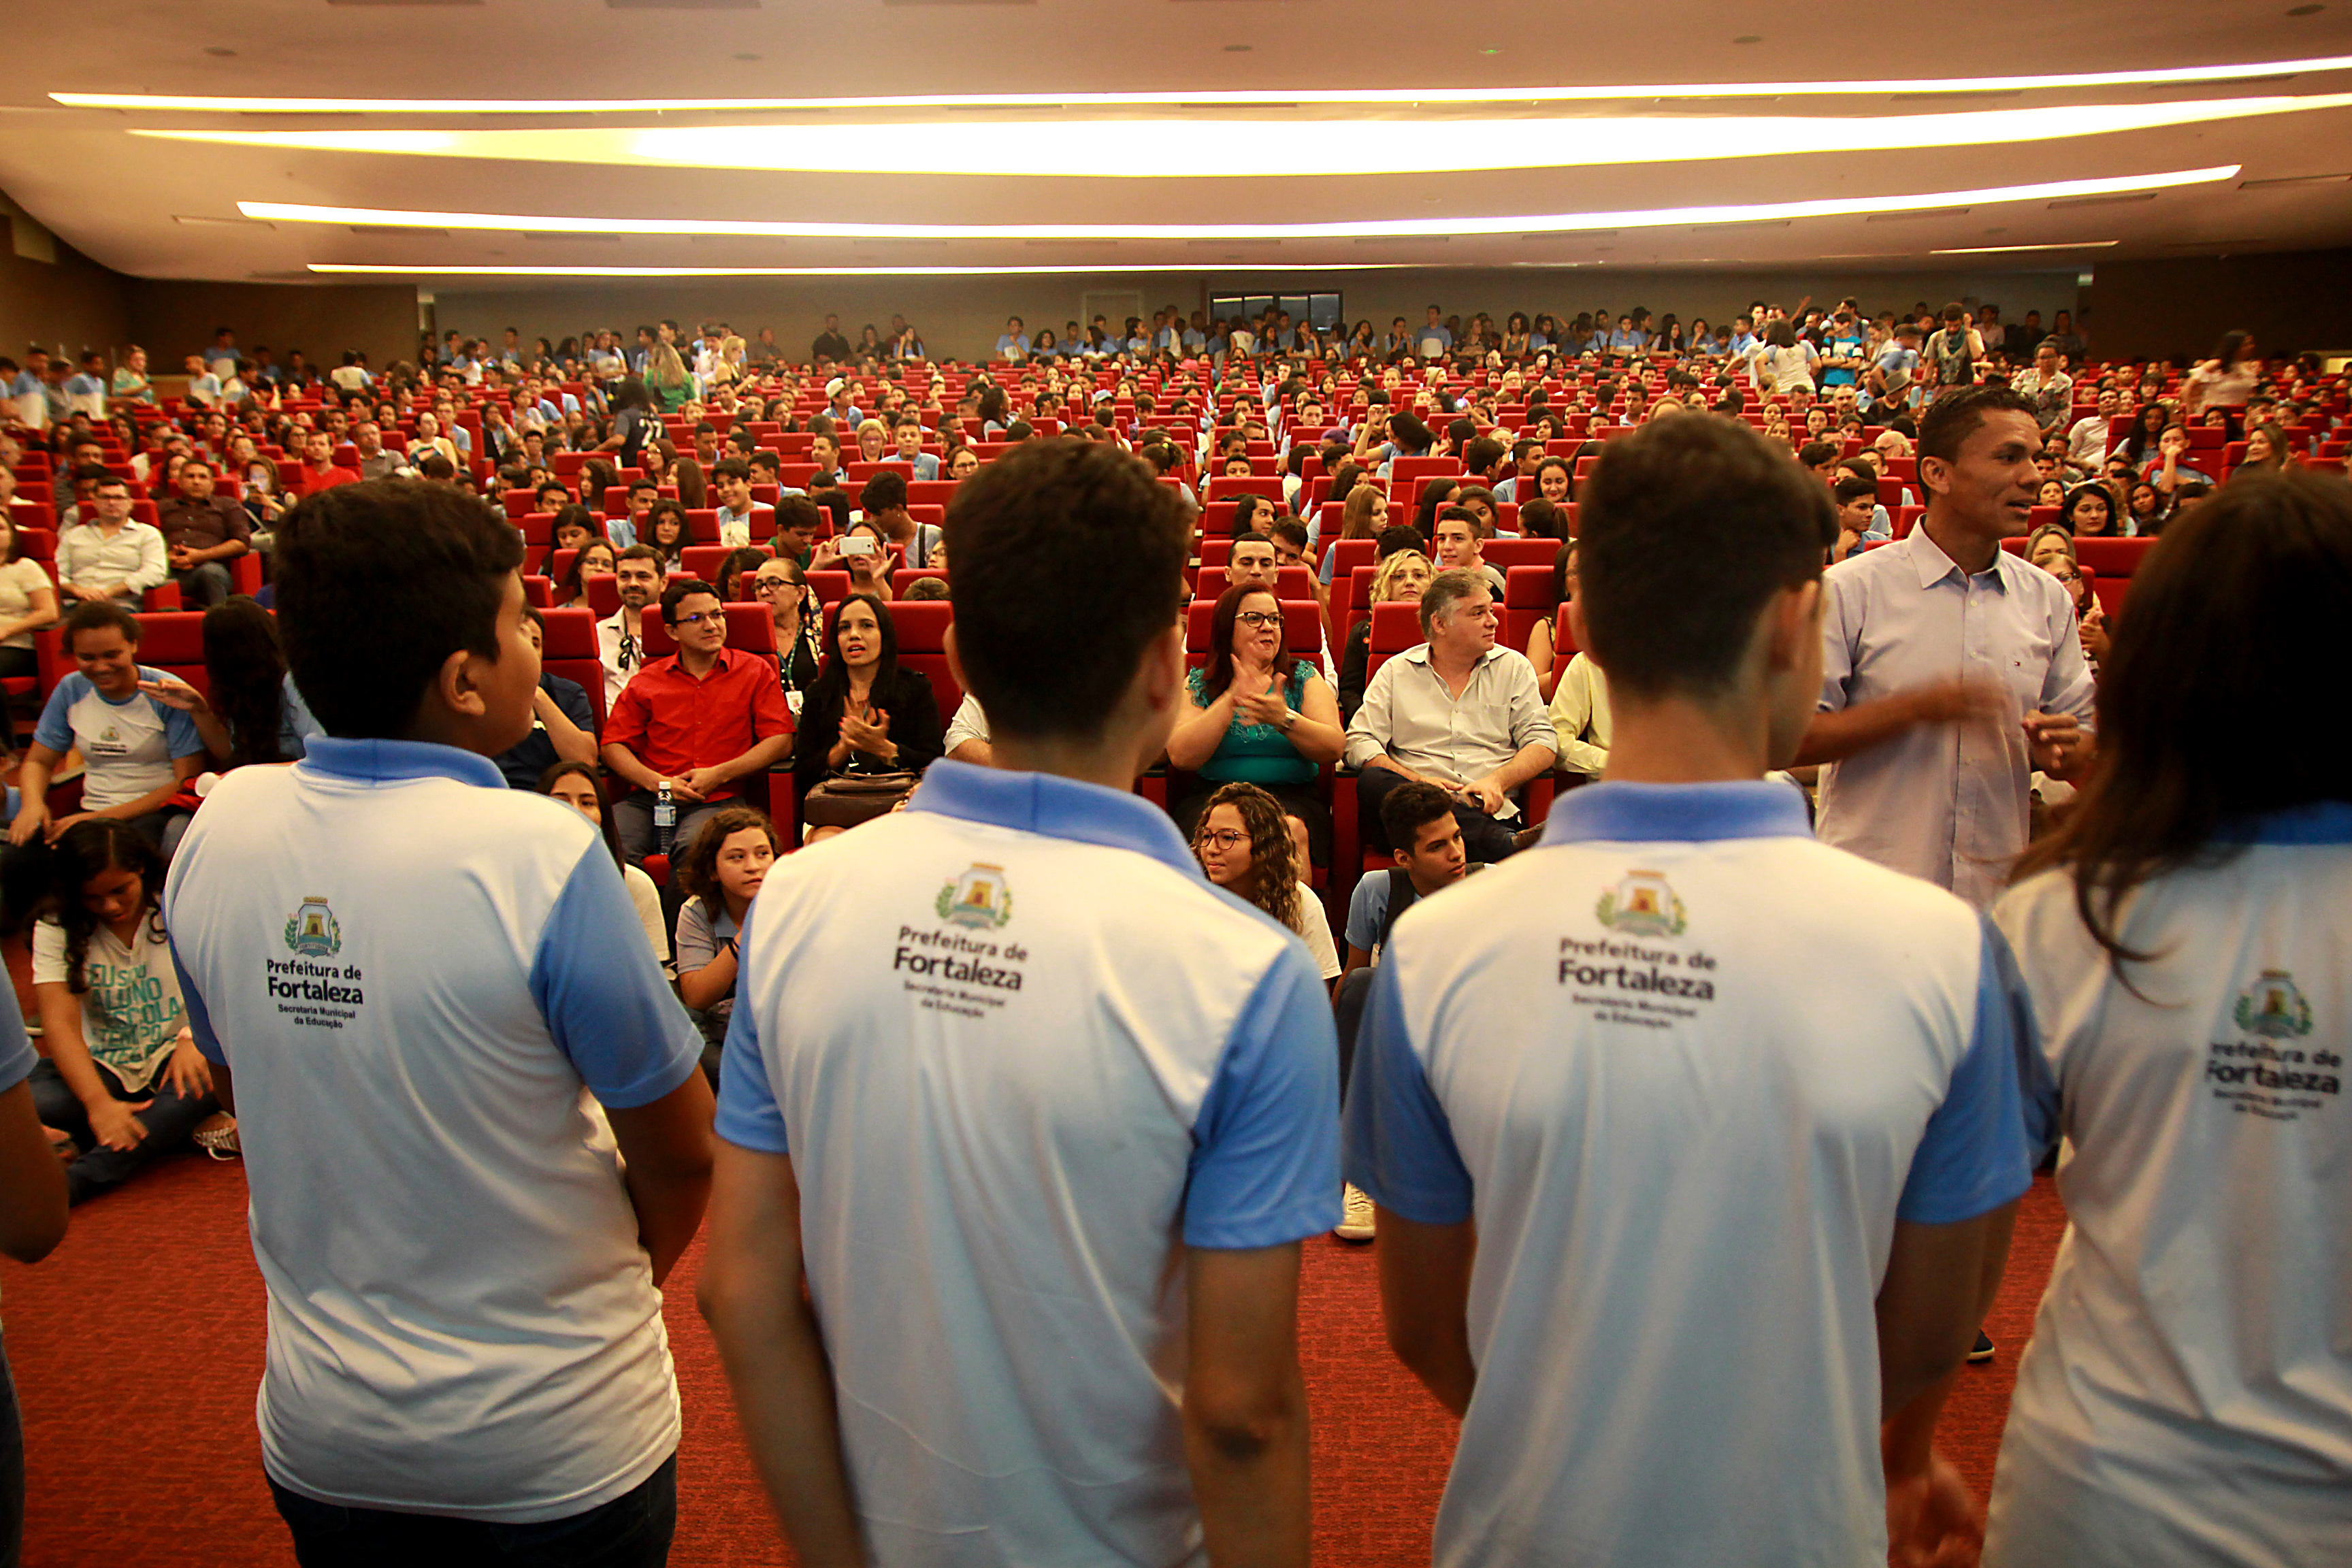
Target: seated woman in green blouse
<point>1255,715</point>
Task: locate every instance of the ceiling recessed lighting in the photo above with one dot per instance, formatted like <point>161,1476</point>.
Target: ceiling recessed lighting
<point>1928,203</point>
<point>1401,97</point>
<point>221,54</point>
<point>2305,10</point>
<point>1997,249</point>
<point>1166,148</point>
<point>747,57</point>
<point>369,269</point>
<point>1239,48</point>
<point>1748,38</point>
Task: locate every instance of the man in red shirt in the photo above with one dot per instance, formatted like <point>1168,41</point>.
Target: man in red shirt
<point>318,471</point>
<point>700,719</point>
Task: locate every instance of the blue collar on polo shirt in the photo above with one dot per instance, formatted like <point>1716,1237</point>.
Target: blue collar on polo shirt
<point>1692,813</point>
<point>398,761</point>
<point>1058,807</point>
<point>2313,822</point>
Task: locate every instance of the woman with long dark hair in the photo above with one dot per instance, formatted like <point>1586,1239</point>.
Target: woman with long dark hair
<point>1243,843</point>
<point>866,714</point>
<point>124,1082</point>
<point>720,872</point>
<point>2187,1393</point>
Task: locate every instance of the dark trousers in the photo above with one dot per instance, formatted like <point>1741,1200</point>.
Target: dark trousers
<point>171,1120</point>
<point>633,1530</point>
<point>1485,838</point>
<point>1348,1014</point>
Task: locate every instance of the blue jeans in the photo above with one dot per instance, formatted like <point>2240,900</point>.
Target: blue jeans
<point>633,1530</point>
<point>171,1120</point>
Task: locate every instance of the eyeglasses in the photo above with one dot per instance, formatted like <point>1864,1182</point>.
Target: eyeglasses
<point>1224,839</point>
<point>699,617</point>
<point>1260,618</point>
<point>770,585</point>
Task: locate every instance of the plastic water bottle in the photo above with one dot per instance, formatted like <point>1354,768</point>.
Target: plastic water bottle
<point>665,819</point>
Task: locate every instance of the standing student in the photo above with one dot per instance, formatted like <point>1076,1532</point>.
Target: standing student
<point>2187,1395</point>
<point>1672,1222</point>
<point>1952,670</point>
<point>417,970</point>
<point>1085,1096</point>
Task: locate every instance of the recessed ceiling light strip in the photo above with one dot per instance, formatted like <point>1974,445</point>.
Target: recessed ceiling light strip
<point>1513,224</point>
<point>213,104</point>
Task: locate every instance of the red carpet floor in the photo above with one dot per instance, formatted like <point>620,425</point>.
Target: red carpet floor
<point>137,1347</point>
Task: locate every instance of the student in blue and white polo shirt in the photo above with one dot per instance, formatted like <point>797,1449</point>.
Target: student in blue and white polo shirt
<point>32,1222</point>
<point>2187,1395</point>
<point>1038,1115</point>
<point>418,971</point>
<point>1671,1213</point>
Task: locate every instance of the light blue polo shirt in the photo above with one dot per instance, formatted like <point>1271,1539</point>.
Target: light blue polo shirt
<point>1684,1067</point>
<point>1022,1055</point>
<point>412,973</point>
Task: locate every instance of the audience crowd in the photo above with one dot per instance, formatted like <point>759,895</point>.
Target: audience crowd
<point>1452,597</point>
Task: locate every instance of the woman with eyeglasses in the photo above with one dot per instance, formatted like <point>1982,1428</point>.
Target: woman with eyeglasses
<point>782,586</point>
<point>1244,845</point>
<point>1256,714</point>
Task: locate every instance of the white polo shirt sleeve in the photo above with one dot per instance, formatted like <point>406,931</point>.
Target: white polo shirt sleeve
<point>1973,1156</point>
<point>611,1012</point>
<point>1401,1148</point>
<point>1268,1137</point>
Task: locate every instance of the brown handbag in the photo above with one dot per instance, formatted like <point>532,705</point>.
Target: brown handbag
<point>853,798</point>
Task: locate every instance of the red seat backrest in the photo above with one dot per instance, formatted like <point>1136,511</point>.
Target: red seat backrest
<point>1223,487</point>
<point>1504,554</point>
<point>571,652</point>
<point>1396,627</point>
<point>905,576</point>
<point>174,641</point>
<point>832,587</point>
<point>922,627</point>
<point>1526,599</point>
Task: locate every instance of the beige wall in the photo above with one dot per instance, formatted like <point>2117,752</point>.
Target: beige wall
<point>962,316</point>
<point>65,305</point>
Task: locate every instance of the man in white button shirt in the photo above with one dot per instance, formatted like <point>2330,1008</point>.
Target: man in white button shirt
<point>110,556</point>
<point>418,972</point>
<point>1673,1215</point>
<point>1457,711</point>
<point>1038,1115</point>
<point>1952,670</point>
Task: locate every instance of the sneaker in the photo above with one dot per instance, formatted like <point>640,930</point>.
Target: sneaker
<point>1980,1351</point>
<point>1356,1215</point>
<point>216,1136</point>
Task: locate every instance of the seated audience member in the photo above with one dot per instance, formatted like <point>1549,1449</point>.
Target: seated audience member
<point>666,534</point>
<point>620,636</point>
<point>28,602</point>
<point>1243,843</point>
<point>908,434</point>
<point>2180,933</point>
<point>1857,516</point>
<point>318,471</point>
<point>735,570</point>
<point>124,1082</point>
<point>109,557</point>
<point>738,518</point>
<point>596,559</point>
<point>2089,513</point>
<point>923,588</point>
<point>697,720</point>
<point>1579,717</point>
<point>782,584</point>
<point>1254,714</point>
<point>563,722</point>
<point>1401,576</point>
<point>1458,546</point>
<point>1419,816</point>
<point>966,740</point>
<point>202,532</point>
<point>249,711</point>
<point>580,786</point>
<point>137,750</point>
<point>799,520</point>
<point>1362,515</point>
<point>1457,711</point>
<point>866,714</point>
<point>885,502</point>
<point>866,554</point>
<point>1543,640</point>
<point>720,872</point>
<point>1862,1119</point>
<point>1253,563</point>
<point>2052,548</point>
<point>572,528</point>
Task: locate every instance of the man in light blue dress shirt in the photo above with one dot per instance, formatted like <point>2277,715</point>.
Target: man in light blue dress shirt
<point>1952,670</point>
